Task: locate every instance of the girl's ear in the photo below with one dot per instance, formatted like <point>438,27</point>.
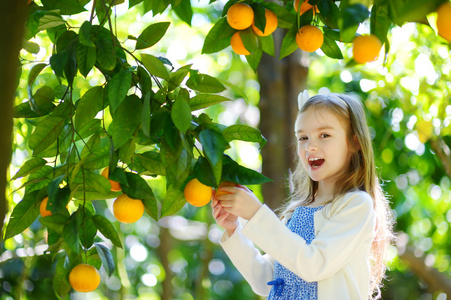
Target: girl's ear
<point>356,143</point>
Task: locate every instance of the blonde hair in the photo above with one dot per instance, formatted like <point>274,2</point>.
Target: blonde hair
<point>360,175</point>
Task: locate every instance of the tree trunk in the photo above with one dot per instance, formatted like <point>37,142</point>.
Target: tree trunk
<point>12,25</point>
<point>280,83</point>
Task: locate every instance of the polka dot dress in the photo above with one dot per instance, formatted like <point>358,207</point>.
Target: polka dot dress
<point>286,285</point>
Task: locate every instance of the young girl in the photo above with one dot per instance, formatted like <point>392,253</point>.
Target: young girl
<point>331,238</point>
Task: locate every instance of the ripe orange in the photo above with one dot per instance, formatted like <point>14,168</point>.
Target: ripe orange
<point>43,208</point>
<point>127,210</point>
<point>237,44</point>
<point>309,38</point>
<point>240,16</point>
<point>444,21</point>
<point>271,24</point>
<point>115,186</point>
<point>84,278</point>
<point>366,48</point>
<point>305,6</point>
<point>197,193</point>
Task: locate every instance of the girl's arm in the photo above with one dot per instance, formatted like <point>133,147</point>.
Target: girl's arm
<point>343,236</point>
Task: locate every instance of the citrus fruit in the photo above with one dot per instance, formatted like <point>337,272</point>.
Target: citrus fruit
<point>197,193</point>
<point>309,38</point>
<point>271,24</point>
<point>84,278</point>
<point>444,21</point>
<point>305,6</point>
<point>127,210</point>
<point>43,208</point>
<point>237,44</point>
<point>115,186</point>
<point>240,16</point>
<point>366,48</point>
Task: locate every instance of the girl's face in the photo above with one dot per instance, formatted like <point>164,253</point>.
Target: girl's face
<point>323,145</point>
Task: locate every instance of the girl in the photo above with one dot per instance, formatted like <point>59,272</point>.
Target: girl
<point>331,238</point>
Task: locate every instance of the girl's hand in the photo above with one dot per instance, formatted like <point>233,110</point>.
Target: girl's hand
<point>239,201</point>
<point>224,219</point>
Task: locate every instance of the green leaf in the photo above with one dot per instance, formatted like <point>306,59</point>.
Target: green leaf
<point>127,118</point>
<point>107,229</point>
<point>30,47</point>
<point>150,162</point>
<point>70,234</point>
<point>34,72</point>
<point>380,20</point>
<point>151,35</point>
<point>106,257</point>
<point>218,38</point>
<point>267,43</point>
<point>184,11</point>
<point>126,151</point>
<point>173,202</point>
<point>118,88</point>
<point>58,62</point>
<point>410,10</point>
<point>244,133</point>
<point>289,42</point>
<point>205,83</point>
<point>139,189</point>
<point>330,48</point>
<point>205,100</point>
<point>38,179</point>
<point>46,133</point>
<point>352,16</point>
<point>155,66</point>
<point>61,284</point>
<point>254,58</point>
<point>106,56</point>
<point>236,89</point>
<point>181,114</point>
<point>84,35</point>
<point>23,215</point>
<point>49,21</point>
<point>232,171</point>
<point>86,59</point>
<point>88,107</point>
<point>66,7</point>
<point>214,145</point>
<point>178,171</point>
<point>178,76</point>
<point>285,19</point>
<point>203,171</point>
<point>54,222</point>
<point>87,229</point>
<point>29,167</point>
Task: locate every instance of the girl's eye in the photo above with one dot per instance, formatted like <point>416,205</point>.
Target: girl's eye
<point>324,135</point>
<point>302,138</point>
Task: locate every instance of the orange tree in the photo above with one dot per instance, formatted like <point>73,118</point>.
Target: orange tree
<point>139,121</point>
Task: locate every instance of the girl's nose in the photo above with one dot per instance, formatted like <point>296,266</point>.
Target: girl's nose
<point>311,146</point>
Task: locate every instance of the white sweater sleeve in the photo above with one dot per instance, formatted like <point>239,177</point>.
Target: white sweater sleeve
<point>256,268</point>
<point>349,229</point>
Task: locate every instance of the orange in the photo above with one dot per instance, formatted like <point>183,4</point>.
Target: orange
<point>444,21</point>
<point>43,208</point>
<point>127,210</point>
<point>366,48</point>
<point>237,44</point>
<point>240,16</point>
<point>115,186</point>
<point>309,38</point>
<point>197,193</point>
<point>305,6</point>
<point>271,24</point>
<point>84,278</point>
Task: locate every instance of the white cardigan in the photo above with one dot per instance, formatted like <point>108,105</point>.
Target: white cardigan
<point>338,257</point>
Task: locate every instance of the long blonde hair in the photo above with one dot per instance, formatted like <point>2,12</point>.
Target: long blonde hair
<point>360,175</point>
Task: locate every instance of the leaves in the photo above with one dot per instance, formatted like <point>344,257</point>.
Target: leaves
<point>23,215</point>
<point>126,120</point>
<point>107,229</point>
<point>151,35</point>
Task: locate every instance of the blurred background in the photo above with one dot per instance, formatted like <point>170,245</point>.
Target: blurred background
<point>407,99</point>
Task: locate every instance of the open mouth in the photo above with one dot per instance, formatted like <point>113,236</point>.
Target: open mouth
<point>315,162</point>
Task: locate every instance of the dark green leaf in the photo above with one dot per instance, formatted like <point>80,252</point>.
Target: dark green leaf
<point>331,49</point>
<point>118,88</point>
<point>23,215</point>
<point>84,36</point>
<point>127,118</point>
<point>232,171</point>
<point>285,19</point>
<point>205,100</point>
<point>139,189</point>
<point>86,59</point>
<point>352,16</point>
<point>181,114</point>
<point>29,167</point>
<point>70,234</point>
<point>151,35</point>
<point>151,162</point>
<point>54,222</point>
<point>380,20</point>
<point>66,7</point>
<point>184,11</point>
<point>289,42</point>
<point>107,229</point>
<point>61,284</point>
<point>205,83</point>
<point>34,72</point>
<point>49,21</point>
<point>218,38</point>
<point>214,145</point>
<point>127,150</point>
<point>88,107</point>
<point>267,43</point>
<point>58,62</point>
<point>87,229</point>
<point>155,66</point>
<point>203,172</point>
<point>106,56</point>
<point>106,257</point>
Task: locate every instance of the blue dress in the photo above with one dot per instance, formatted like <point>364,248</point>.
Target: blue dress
<point>286,285</point>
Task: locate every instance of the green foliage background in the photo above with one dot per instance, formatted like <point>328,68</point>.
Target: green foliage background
<point>408,102</point>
